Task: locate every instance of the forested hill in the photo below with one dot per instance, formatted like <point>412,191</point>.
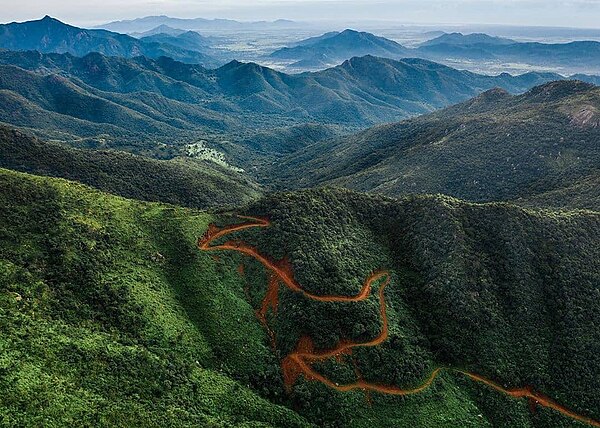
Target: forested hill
<point>115,314</point>
<point>182,181</point>
<point>493,147</point>
<point>506,293</point>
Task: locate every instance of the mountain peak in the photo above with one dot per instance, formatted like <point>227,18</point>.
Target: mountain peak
<point>495,94</point>
<point>49,19</point>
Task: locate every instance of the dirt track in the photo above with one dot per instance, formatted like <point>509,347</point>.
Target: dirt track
<point>299,362</point>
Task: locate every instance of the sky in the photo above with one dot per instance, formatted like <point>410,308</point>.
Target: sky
<point>565,13</point>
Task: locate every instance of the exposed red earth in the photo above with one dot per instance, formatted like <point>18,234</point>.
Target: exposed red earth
<point>301,360</point>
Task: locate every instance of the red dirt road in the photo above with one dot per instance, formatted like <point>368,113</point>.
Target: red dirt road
<point>300,361</point>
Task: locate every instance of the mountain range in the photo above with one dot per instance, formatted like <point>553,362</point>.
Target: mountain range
<point>50,35</point>
<point>159,107</point>
<point>539,146</point>
<point>147,23</point>
<point>199,282</point>
<point>452,49</point>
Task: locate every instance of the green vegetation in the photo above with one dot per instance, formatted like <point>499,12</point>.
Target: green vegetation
<point>494,289</point>
<point>181,181</point>
<point>493,147</point>
<point>109,316</point>
<point>158,107</point>
<point>112,315</point>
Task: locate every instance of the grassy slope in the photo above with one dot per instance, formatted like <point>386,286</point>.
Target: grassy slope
<point>110,316</point>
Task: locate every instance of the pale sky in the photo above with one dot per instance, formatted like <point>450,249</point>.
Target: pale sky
<point>568,13</point>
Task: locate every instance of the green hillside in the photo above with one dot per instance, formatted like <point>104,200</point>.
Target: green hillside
<point>109,316</point>
<point>182,181</point>
<point>112,316</point>
<point>493,147</point>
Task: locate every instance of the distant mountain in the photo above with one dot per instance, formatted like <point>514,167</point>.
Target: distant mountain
<point>572,57</point>
<point>149,22</point>
<point>50,35</point>
<point>472,51</point>
<point>337,47</point>
<point>493,147</point>
<point>117,102</point>
<point>189,40</point>
<point>161,29</point>
<point>467,39</point>
<point>316,39</point>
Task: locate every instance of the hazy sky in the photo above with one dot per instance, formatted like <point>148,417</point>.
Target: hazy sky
<point>575,13</point>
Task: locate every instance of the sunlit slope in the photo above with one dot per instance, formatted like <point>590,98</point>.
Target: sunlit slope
<point>109,316</point>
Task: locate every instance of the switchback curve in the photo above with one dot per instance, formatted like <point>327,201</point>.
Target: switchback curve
<point>301,359</point>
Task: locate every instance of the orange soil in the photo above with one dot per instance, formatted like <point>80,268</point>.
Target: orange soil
<point>300,361</point>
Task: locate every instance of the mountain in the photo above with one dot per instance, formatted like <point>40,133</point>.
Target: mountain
<point>316,39</point>
<point>189,40</point>
<point>161,29</point>
<point>161,106</point>
<point>147,23</point>
<point>467,39</point>
<point>341,46</point>
<point>112,311</point>
<point>113,315</point>
<point>472,51</point>
<point>573,57</point>
<point>182,181</point>
<point>50,35</point>
<point>493,147</point>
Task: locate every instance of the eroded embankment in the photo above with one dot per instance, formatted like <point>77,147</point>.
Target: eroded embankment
<point>301,360</point>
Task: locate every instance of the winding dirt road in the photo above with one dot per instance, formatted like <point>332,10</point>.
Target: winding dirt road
<point>300,361</point>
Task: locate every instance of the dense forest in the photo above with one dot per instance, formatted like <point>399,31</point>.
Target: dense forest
<point>183,181</point>
<point>502,291</point>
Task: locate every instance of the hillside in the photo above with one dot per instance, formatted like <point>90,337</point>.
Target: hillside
<point>50,35</point>
<point>493,147</point>
<point>184,182</point>
<point>110,316</point>
<point>158,107</point>
<point>115,315</point>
